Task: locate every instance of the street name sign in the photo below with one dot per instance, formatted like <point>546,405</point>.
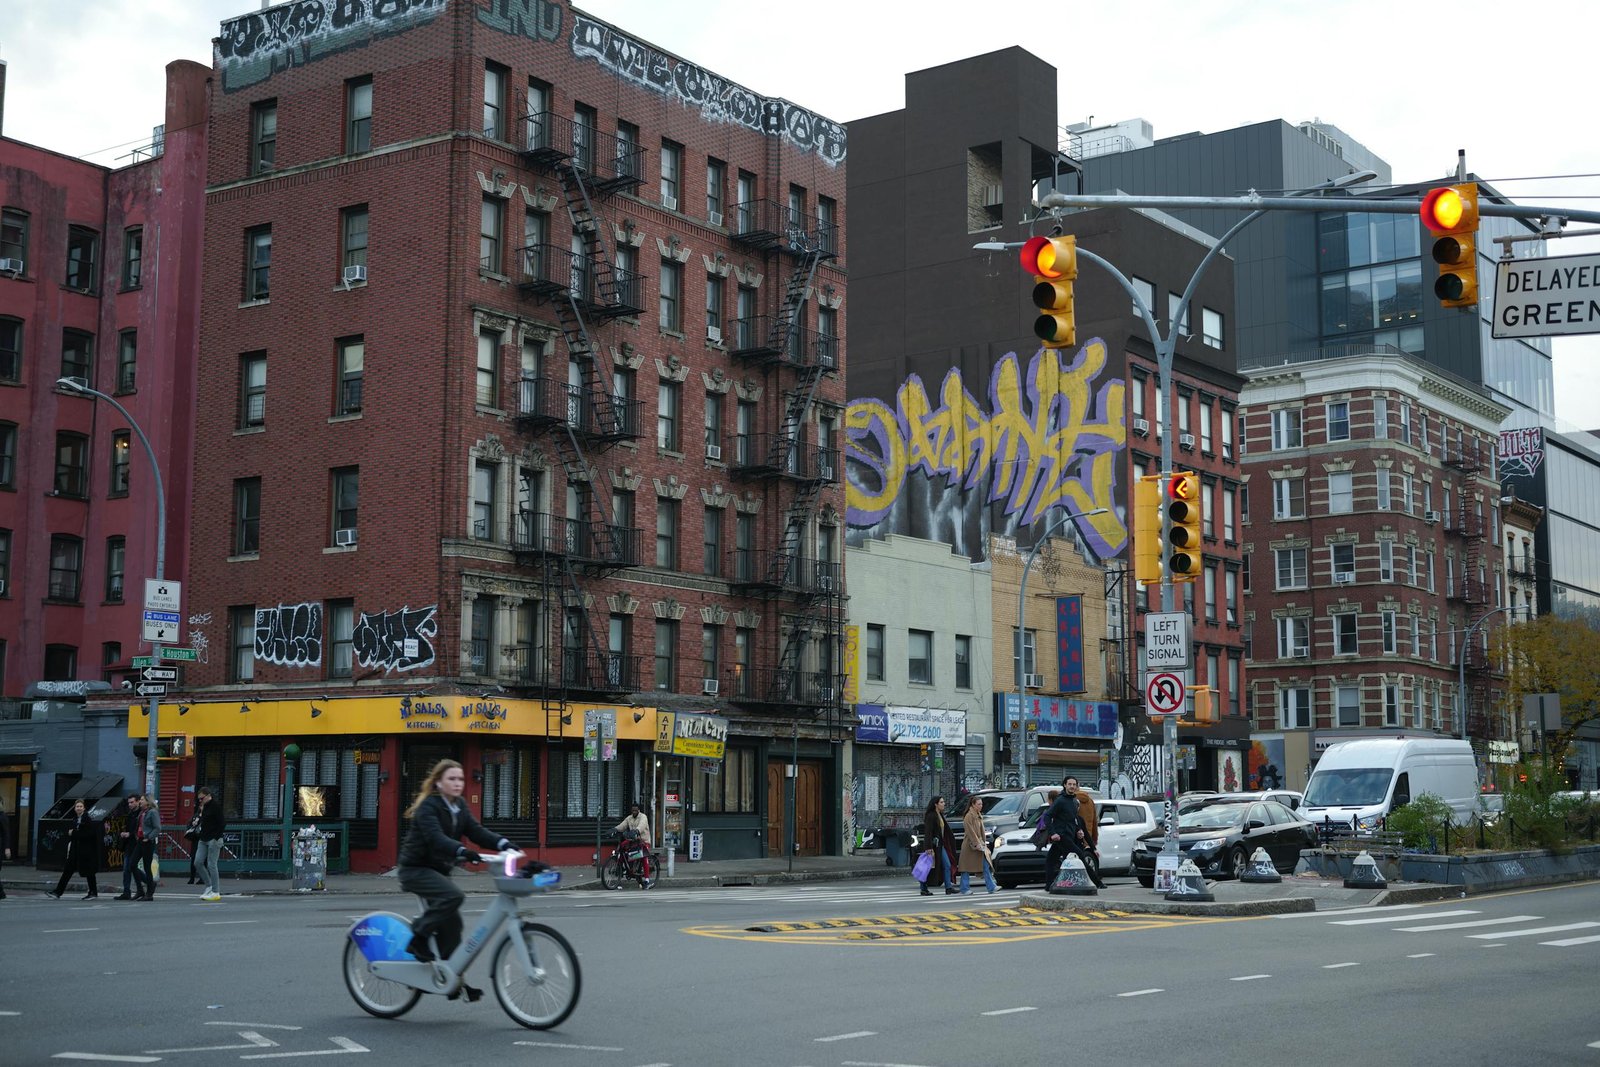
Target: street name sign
<point>1164,694</point>
<point>179,655</point>
<point>143,661</point>
<point>162,595</point>
<point>1547,297</point>
<point>1166,640</point>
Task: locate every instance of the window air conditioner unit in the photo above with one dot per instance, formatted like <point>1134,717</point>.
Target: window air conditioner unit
<point>1343,579</point>
<point>345,537</point>
<point>825,693</point>
<point>714,217</point>
<point>709,687</point>
<point>669,202</point>
<point>714,452</point>
<point>714,334</point>
<point>1033,681</point>
<point>827,472</point>
<point>1186,440</point>
<point>12,267</point>
<point>1430,516</point>
<point>1300,653</point>
<point>825,583</point>
<point>1141,427</point>
<point>354,274</point>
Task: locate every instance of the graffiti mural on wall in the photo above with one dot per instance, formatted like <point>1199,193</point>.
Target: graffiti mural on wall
<point>396,640</point>
<point>290,635</point>
<point>253,47</point>
<point>717,99</point>
<point>1521,451</point>
<point>537,20</point>
<point>1048,438</point>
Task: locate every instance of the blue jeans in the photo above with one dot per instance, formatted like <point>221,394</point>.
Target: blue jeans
<point>988,878</point>
<point>206,854</point>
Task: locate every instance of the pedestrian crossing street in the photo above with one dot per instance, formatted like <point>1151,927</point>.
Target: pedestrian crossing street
<point>1467,923</point>
<point>830,895</point>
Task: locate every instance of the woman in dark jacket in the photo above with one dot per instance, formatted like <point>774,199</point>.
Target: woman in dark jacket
<point>146,829</point>
<point>941,841</point>
<point>5,843</point>
<point>83,851</point>
<point>439,819</point>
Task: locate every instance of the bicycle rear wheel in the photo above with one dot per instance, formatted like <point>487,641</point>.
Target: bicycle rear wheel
<point>546,1001</point>
<point>375,996</point>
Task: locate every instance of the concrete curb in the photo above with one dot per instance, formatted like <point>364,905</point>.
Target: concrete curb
<point>1276,906</point>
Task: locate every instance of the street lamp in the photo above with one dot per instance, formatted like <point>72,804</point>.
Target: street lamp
<point>1022,592</point>
<point>1461,666</point>
<point>81,387</point>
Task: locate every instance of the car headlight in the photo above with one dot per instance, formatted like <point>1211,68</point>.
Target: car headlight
<point>1210,844</point>
<point>1372,822</point>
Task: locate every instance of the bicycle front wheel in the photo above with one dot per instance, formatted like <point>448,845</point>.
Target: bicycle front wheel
<point>376,996</point>
<point>613,873</point>
<point>548,998</point>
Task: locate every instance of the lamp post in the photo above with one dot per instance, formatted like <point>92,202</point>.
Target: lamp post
<point>75,385</point>
<point>1022,592</point>
<point>1461,667</point>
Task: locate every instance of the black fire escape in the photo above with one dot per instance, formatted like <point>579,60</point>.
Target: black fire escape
<point>586,289</point>
<point>808,592</point>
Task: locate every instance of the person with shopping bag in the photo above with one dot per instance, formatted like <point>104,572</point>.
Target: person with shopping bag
<point>941,842</point>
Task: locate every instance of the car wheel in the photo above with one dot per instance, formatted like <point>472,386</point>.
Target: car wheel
<point>1148,881</point>
<point>1006,883</point>
<point>1238,860</point>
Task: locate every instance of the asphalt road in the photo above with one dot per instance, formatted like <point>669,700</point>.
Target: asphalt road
<point>857,974</point>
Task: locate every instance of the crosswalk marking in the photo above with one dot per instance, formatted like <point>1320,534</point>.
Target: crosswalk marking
<point>1534,932</point>
<point>1466,925</point>
<point>1398,918</point>
<point>1573,941</point>
<point>1385,908</point>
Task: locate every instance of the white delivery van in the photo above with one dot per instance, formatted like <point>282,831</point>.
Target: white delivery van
<point>1358,782</point>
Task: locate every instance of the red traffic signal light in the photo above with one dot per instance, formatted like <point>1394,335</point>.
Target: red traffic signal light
<point>1183,522</point>
<point>1053,262</point>
<point>1051,257</point>
<point>1450,212</point>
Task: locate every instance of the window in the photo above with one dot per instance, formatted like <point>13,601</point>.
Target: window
<point>746,323</point>
<point>1231,595</point>
<point>341,623</point>
<point>1294,638</point>
<point>1286,428</point>
<point>60,663</point>
<point>1227,433</point>
<point>1385,498</point>
<point>713,424</point>
<point>710,644</point>
<point>252,389</point>
<point>874,652</point>
<point>346,498</point>
<point>1416,636</point>
<point>1344,633</point>
<point>488,378</point>
<point>1146,296</point>
<point>485,482</point>
<point>1386,561</point>
<point>537,131</point>
<point>263,136</point>
<point>1210,579</point>
<point>358,114</point>
<point>671,174</point>
<point>5,562</point>
<point>745,202</point>
<point>744,543</point>
<point>10,350</point>
<point>1344,561</point>
<point>1380,418</point>
<point>66,567</point>
<point>77,355</point>
<point>110,655</point>
<point>353,226</point>
<point>127,360</point>
<point>712,537</point>
<point>585,123</point>
<point>132,256</point>
<point>1229,531</point>
<point>14,236</point>
<point>1211,327</point>
<point>1341,498</point>
<point>1391,640</point>
<point>715,285</point>
<point>827,338</point>
<point>669,401</point>
<point>1294,709</point>
<point>490,230</point>
<point>83,252</point>
<point>258,263</point>
<point>744,640</point>
<point>667,533</point>
<point>716,190</point>
<point>1339,421</point>
<point>1028,664</point>
<point>744,432</point>
<point>671,317</point>
<point>1205,425</point>
<point>352,360</point>
<point>116,560</point>
<point>1391,705</point>
<point>535,236</point>
<point>242,645</point>
<point>246,516</point>
<point>72,465</point>
<point>1349,703</point>
<point>481,645</point>
<point>121,442</point>
<point>666,647</point>
<point>827,224</point>
<point>1291,567</point>
<point>494,101</point>
<point>627,150</point>
<point>919,657</point>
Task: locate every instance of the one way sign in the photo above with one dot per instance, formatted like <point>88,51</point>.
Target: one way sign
<point>151,689</point>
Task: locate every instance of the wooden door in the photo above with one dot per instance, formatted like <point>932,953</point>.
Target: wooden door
<point>775,803</point>
<point>808,809</point>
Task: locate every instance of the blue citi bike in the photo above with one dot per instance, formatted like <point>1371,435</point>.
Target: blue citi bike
<point>533,969</point>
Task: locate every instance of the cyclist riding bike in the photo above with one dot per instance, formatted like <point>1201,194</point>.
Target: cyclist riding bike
<point>439,819</point>
<point>637,824</point>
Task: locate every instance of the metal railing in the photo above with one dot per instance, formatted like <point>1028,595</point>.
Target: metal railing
<point>249,848</point>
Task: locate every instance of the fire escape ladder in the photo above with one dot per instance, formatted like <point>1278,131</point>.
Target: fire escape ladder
<point>595,283</point>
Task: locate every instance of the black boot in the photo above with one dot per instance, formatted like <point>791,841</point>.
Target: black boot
<point>927,892</point>
<point>419,949</point>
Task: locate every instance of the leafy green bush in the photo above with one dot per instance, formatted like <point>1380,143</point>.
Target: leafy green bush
<point>1534,816</point>
<point>1421,823</point>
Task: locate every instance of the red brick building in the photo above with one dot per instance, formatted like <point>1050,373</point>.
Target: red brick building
<point>1375,553</point>
<point>519,399</point>
<point>99,273</point>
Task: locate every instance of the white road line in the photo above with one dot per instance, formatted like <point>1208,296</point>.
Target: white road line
<point>1419,955</point>
<point>99,1058</point>
<point>1573,941</point>
<point>1594,1044</point>
<point>1141,992</point>
<point>1400,918</point>
<point>255,1041</point>
<point>576,1048</point>
<point>72,930</point>
<point>1345,911</point>
<point>1535,931</point>
<point>1249,977</point>
<point>1007,1011</point>
<point>849,1036</point>
<point>230,922</point>
<point>868,1063</point>
<point>1336,966</point>
<point>344,1043</point>
<point>257,1026</point>
<point>8,1014</point>
<point>1465,926</point>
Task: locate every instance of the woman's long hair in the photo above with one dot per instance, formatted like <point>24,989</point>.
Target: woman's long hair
<point>930,818</point>
<point>430,784</point>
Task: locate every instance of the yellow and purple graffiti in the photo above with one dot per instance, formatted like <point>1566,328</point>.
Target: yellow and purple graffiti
<point>1051,442</point>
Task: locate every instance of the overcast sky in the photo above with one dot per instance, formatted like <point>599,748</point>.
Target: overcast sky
<point>85,77</point>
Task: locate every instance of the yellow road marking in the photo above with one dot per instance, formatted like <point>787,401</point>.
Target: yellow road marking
<point>1001,925</point>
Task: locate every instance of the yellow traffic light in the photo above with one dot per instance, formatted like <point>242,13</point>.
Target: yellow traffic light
<point>1450,213</point>
<point>1183,517</point>
<point>1148,550</point>
<point>1205,705</point>
<point>1053,262</point>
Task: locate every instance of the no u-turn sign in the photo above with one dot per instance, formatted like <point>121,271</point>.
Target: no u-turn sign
<point>1163,694</point>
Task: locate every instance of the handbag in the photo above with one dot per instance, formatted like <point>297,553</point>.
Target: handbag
<point>920,869</point>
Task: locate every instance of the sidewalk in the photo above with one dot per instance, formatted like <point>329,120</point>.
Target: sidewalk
<point>23,879</point>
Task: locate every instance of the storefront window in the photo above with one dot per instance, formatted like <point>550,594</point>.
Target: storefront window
<point>732,790</point>
<point>510,783</point>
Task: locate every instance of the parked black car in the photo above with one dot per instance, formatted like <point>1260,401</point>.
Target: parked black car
<point>1222,836</point>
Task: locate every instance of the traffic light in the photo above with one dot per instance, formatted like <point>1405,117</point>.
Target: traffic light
<point>1450,213</point>
<point>1183,516</point>
<point>1205,705</point>
<point>1053,262</point>
<point>1148,549</point>
<point>927,760</point>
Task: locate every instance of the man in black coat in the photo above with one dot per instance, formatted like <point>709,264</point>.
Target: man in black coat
<point>1065,828</point>
<point>83,850</point>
